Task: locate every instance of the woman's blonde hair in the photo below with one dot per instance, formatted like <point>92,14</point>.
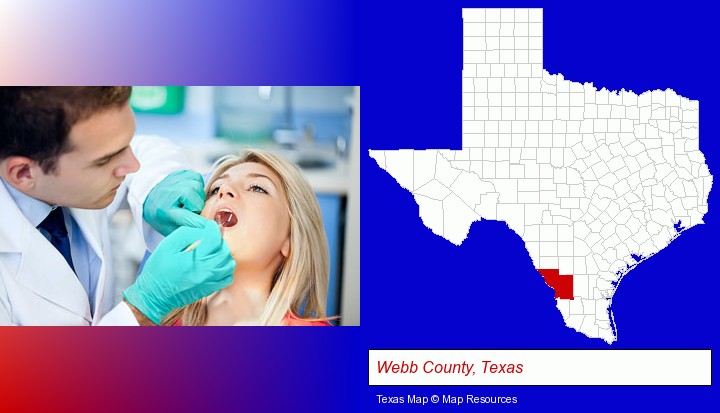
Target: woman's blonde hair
<point>301,281</point>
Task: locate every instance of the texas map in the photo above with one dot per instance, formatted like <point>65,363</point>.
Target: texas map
<point>593,181</point>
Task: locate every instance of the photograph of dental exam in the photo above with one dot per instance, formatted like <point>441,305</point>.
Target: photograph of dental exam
<point>280,180</point>
<point>179,206</point>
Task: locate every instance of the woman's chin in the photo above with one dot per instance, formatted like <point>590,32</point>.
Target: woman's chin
<point>230,242</point>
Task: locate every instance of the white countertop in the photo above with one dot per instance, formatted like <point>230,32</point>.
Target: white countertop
<point>330,180</point>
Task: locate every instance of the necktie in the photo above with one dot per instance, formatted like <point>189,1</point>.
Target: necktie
<point>54,224</point>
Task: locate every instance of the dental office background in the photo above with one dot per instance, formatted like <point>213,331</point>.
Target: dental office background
<point>316,127</point>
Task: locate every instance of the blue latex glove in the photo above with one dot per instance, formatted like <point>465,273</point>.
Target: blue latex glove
<point>175,201</point>
<point>173,278</point>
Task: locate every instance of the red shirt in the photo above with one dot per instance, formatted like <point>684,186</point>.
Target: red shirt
<point>293,320</point>
<point>290,320</point>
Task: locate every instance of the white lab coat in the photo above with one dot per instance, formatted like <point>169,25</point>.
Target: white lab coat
<point>37,286</point>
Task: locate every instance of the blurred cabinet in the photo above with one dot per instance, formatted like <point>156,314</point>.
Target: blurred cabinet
<point>252,115</point>
<point>168,100</point>
<point>332,207</point>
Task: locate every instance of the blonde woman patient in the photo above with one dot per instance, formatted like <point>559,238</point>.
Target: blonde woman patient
<point>271,222</point>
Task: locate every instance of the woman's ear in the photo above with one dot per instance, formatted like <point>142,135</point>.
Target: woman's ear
<point>20,172</point>
<point>285,250</point>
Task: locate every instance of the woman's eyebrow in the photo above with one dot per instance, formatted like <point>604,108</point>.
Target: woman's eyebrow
<point>209,185</point>
<point>258,175</point>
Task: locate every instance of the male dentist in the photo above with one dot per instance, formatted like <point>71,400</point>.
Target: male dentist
<point>68,161</point>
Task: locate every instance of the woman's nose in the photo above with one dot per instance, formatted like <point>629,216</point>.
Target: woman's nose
<point>225,192</point>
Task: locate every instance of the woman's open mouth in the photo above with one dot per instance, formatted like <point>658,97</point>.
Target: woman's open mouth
<point>225,218</point>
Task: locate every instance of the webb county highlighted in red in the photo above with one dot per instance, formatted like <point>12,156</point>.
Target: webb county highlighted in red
<point>562,284</point>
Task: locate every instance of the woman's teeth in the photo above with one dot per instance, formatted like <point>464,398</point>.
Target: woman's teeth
<point>225,218</point>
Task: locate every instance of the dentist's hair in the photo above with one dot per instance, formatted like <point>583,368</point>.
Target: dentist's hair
<point>300,283</point>
<point>35,121</point>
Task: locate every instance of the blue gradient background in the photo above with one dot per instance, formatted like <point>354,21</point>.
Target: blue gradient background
<point>418,291</point>
<point>183,42</point>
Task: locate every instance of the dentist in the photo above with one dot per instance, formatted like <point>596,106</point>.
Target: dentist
<point>68,161</point>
